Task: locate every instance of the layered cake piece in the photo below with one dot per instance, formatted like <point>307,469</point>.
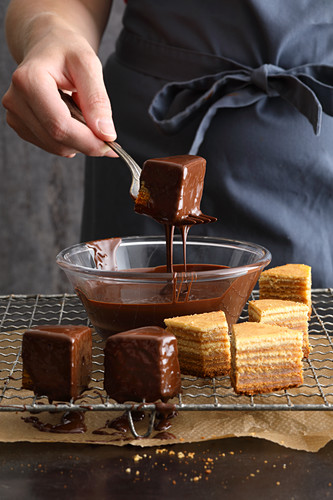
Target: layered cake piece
<point>171,189</point>
<point>203,343</point>
<point>288,282</point>
<point>142,364</point>
<point>265,358</point>
<point>287,313</point>
<point>57,360</point>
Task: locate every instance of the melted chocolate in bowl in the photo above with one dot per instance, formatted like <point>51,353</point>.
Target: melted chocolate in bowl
<point>131,289</point>
<point>122,307</point>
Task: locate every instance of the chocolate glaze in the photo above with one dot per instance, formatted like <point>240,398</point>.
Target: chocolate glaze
<point>164,413</point>
<point>171,188</point>
<point>104,253</point>
<point>57,360</point>
<point>119,308</point>
<point>164,435</point>
<point>72,422</point>
<point>142,364</point>
<point>120,424</point>
<point>170,192</point>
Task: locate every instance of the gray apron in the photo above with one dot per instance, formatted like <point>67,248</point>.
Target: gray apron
<point>247,84</point>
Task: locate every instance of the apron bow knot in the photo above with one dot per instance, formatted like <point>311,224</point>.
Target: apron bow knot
<point>309,88</point>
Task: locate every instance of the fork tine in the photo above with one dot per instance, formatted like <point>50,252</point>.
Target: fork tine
<point>198,219</point>
<point>208,218</point>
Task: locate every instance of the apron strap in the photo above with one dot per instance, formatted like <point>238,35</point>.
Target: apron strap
<point>308,88</point>
<point>213,82</point>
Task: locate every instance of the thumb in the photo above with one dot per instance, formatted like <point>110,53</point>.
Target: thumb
<point>94,100</point>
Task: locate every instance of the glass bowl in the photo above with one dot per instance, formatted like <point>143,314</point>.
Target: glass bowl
<point>122,283</point>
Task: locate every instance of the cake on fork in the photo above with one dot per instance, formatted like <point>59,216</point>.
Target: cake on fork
<point>203,343</point>
<point>286,313</point>
<point>265,358</point>
<point>171,190</point>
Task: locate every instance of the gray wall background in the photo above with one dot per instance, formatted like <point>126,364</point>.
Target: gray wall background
<point>40,194</point>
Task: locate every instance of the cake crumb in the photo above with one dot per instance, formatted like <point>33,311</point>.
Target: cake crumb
<point>180,454</point>
<point>161,450</point>
<point>137,473</point>
<point>128,470</point>
<point>137,457</point>
<point>277,483</point>
<point>191,454</point>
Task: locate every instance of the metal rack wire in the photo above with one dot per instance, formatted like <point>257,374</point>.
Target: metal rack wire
<point>18,312</point>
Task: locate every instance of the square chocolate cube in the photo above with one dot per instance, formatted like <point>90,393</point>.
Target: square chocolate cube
<point>57,360</point>
<point>142,364</point>
<point>171,188</point>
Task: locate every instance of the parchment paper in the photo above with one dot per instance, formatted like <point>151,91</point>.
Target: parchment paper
<point>301,430</point>
<point>307,431</point>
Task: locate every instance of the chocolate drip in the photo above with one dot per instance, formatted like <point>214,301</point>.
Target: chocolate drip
<point>164,435</point>
<point>120,424</point>
<point>71,423</point>
<point>170,192</point>
<point>164,413</point>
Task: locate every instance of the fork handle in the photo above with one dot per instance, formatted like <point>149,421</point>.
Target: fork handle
<point>133,166</point>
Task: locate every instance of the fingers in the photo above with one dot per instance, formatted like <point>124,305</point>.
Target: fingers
<point>92,96</point>
<point>37,113</point>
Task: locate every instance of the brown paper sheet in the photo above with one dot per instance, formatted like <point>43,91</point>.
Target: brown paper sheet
<point>301,430</point>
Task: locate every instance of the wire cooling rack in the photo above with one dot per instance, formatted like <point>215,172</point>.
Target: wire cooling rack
<point>18,312</point>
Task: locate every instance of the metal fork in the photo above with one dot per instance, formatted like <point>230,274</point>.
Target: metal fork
<point>76,113</point>
<point>133,166</point>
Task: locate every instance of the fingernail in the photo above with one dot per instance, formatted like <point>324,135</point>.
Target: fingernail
<point>71,156</point>
<point>111,154</point>
<point>106,127</point>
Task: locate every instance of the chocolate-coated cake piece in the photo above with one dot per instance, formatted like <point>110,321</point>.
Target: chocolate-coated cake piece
<point>142,364</point>
<point>57,360</point>
<point>171,188</point>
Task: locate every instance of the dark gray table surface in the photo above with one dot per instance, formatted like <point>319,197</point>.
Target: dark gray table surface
<point>235,468</point>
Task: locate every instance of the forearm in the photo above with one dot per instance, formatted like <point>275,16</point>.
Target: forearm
<point>28,21</point>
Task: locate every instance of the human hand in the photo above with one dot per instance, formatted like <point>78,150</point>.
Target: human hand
<point>63,59</point>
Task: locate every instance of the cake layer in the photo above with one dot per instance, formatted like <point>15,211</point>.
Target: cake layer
<point>203,343</point>
<point>205,323</point>
<point>288,282</point>
<point>252,386</point>
<point>265,358</point>
<point>285,313</point>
